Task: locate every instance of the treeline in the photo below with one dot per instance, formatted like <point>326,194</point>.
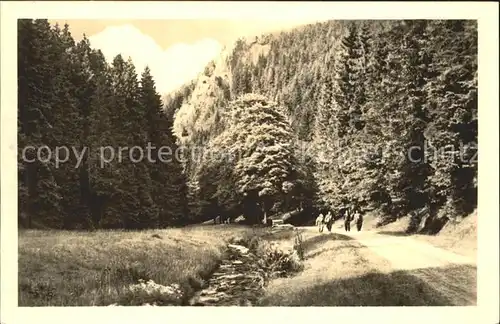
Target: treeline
<point>73,104</point>
<point>385,112</point>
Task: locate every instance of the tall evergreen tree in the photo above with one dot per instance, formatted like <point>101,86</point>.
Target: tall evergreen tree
<point>451,102</point>
<point>40,194</point>
<point>168,188</point>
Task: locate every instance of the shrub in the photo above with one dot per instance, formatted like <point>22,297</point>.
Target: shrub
<point>278,262</point>
<point>272,259</point>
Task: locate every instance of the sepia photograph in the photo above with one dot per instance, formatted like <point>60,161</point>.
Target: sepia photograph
<point>249,162</point>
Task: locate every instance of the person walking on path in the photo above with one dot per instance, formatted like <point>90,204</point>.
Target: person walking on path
<point>320,222</point>
<point>347,219</point>
<point>329,221</point>
<point>358,220</point>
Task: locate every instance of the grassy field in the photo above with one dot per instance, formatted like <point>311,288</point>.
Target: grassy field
<point>58,268</point>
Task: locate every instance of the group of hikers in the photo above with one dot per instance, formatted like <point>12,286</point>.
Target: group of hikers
<point>348,214</point>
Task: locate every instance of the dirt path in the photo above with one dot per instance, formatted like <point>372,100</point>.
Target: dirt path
<point>368,268</point>
<point>404,252</point>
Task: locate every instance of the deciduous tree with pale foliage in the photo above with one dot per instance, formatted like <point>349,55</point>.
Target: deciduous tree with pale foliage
<point>258,140</point>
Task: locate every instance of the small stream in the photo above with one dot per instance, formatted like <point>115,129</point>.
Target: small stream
<point>239,281</point>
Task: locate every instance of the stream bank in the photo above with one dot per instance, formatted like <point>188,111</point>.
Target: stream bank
<point>247,265</point>
<point>243,274</point>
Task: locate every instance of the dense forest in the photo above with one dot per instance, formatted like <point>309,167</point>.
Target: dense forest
<point>382,114</point>
<point>69,97</point>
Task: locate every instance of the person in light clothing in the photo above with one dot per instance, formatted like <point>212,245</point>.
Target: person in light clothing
<point>320,222</point>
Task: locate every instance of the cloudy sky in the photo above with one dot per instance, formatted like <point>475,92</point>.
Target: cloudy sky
<point>175,50</point>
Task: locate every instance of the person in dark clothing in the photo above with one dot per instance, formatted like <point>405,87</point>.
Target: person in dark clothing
<point>329,221</point>
<point>358,220</point>
<point>347,220</point>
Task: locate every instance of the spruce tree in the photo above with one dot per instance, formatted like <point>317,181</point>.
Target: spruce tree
<point>168,189</point>
<point>40,194</point>
<point>451,102</point>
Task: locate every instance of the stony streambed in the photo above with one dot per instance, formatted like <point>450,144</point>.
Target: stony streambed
<point>243,274</point>
<point>238,281</point>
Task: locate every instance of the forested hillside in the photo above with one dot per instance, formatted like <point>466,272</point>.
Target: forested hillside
<point>380,113</point>
<point>74,106</point>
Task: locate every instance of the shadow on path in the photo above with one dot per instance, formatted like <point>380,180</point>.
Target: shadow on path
<point>450,286</point>
<point>393,233</point>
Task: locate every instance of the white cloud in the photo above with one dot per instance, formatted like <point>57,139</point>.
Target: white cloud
<point>170,68</point>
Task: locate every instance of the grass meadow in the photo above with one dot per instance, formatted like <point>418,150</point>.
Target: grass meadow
<point>62,268</point>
